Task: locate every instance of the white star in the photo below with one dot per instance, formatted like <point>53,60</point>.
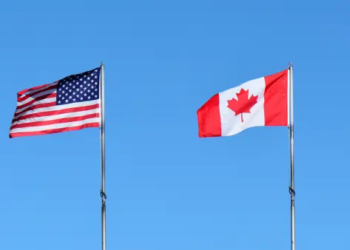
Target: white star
<point>85,88</point>
<point>73,93</point>
<point>66,94</point>
<point>81,86</point>
<point>66,100</point>
<point>62,91</point>
<point>85,76</point>
<point>70,90</point>
<point>81,92</point>
<point>81,98</point>
<point>70,97</point>
<point>81,79</point>
<point>73,87</point>
<point>70,84</point>
<point>88,78</point>
<point>96,89</point>
<point>89,90</point>
<point>84,81</point>
<point>59,101</point>
<point>85,94</point>
<point>89,97</point>
<point>95,83</point>
<point>77,89</point>
<point>77,95</point>
<point>73,100</point>
<point>95,96</point>
<point>95,76</point>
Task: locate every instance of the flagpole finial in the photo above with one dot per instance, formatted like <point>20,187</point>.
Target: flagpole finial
<point>290,64</point>
<point>102,64</point>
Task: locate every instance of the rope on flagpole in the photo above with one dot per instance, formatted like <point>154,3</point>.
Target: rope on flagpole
<point>103,168</point>
<point>103,195</point>
<point>291,141</point>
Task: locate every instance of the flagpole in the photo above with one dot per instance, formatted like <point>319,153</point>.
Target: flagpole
<point>103,183</point>
<point>291,138</point>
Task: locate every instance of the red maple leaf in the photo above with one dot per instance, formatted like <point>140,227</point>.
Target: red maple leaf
<point>242,104</point>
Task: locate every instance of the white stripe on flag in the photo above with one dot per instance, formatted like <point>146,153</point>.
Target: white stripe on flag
<point>60,116</point>
<point>47,92</point>
<point>59,107</point>
<point>55,126</point>
<point>47,100</point>
<point>30,92</point>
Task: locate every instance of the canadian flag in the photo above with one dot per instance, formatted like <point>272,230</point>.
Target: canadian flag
<point>259,102</point>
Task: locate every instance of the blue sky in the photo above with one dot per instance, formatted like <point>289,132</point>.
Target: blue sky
<point>168,189</point>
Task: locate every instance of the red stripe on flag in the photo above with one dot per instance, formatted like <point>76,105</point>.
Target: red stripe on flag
<point>209,121</point>
<point>57,121</point>
<point>42,105</point>
<point>49,95</point>
<point>57,112</point>
<point>276,99</point>
<point>51,131</point>
<point>38,90</point>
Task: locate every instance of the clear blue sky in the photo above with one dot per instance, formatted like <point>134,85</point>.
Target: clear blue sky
<point>168,189</point>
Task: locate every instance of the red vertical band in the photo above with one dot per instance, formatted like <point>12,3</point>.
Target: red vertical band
<point>276,99</point>
<point>209,121</point>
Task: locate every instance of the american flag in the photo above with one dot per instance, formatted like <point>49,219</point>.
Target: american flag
<point>72,103</point>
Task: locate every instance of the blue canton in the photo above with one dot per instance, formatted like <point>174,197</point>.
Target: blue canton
<point>79,88</point>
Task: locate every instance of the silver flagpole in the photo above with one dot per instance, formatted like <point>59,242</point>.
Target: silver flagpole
<point>103,183</point>
<point>291,137</point>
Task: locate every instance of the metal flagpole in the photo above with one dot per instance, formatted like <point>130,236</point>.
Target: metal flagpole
<point>103,186</point>
<point>291,138</point>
